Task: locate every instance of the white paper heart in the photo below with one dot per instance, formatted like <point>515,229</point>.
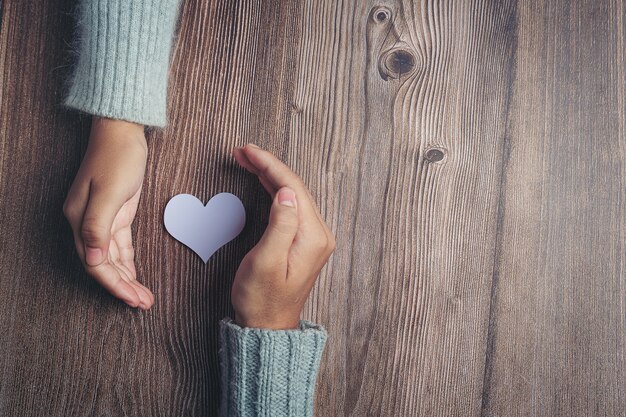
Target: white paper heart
<point>204,228</point>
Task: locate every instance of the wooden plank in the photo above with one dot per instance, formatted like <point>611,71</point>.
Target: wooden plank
<point>406,296</point>
<point>557,331</point>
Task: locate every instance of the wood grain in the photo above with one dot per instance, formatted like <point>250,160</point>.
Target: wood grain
<point>470,157</point>
<point>557,311</point>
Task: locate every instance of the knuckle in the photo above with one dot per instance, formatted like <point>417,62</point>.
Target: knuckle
<point>128,254</point>
<point>285,225</point>
<point>261,266</point>
<point>332,243</point>
<point>256,261</point>
<point>102,277</point>
<point>265,169</point>
<point>320,242</point>
<point>92,231</point>
<point>68,210</point>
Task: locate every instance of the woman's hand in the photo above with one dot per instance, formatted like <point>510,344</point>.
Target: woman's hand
<point>276,276</point>
<point>102,203</point>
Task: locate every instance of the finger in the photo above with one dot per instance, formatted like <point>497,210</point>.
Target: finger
<point>122,254</point>
<point>97,222</point>
<point>273,173</point>
<point>268,186</point>
<point>269,182</point>
<point>110,278</point>
<point>126,253</point>
<point>262,168</point>
<point>78,242</point>
<point>279,175</point>
<point>283,224</point>
<point>146,299</point>
<point>242,159</point>
<point>276,172</point>
<point>73,209</point>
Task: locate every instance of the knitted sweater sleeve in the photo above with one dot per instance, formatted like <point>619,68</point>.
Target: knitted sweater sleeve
<point>123,49</point>
<point>269,372</point>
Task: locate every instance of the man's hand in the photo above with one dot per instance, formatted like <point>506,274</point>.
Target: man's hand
<point>276,276</point>
<point>102,203</point>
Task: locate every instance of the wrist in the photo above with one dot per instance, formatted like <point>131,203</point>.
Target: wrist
<point>115,128</point>
<point>108,122</point>
<point>274,324</point>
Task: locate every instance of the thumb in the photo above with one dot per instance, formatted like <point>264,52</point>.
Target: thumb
<point>283,223</point>
<point>96,225</point>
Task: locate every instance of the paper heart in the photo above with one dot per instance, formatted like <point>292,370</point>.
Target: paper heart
<point>204,228</point>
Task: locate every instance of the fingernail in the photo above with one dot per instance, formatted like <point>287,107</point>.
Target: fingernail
<point>253,145</point>
<point>287,197</point>
<point>93,256</point>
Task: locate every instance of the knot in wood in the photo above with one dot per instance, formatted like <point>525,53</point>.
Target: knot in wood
<point>434,155</point>
<point>381,14</point>
<point>400,62</point>
<point>295,108</point>
<point>396,63</point>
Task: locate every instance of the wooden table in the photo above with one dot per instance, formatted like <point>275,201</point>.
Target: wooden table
<point>470,158</point>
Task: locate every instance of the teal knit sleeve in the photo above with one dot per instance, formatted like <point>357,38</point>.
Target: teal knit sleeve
<point>123,51</point>
<point>269,372</point>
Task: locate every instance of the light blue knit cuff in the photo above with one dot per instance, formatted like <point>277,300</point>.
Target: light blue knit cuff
<point>123,51</point>
<point>269,372</point>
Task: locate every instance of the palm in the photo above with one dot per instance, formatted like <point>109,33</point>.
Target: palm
<point>117,273</point>
<point>121,253</point>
